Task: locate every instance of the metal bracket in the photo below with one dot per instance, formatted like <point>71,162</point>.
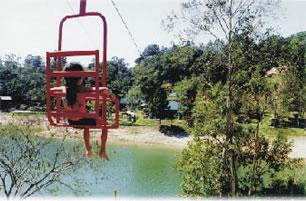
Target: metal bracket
<point>82,7</point>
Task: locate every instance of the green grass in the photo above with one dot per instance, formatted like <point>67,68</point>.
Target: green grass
<point>268,130</point>
<point>12,127</point>
<point>27,113</point>
<point>265,128</point>
<point>142,121</point>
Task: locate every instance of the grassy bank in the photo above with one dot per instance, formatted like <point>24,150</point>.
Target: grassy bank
<point>268,130</point>
<point>141,121</point>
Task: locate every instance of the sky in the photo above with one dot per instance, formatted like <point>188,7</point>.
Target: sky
<point>31,26</point>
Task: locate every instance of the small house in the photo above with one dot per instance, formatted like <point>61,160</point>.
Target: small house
<point>123,102</point>
<point>172,109</point>
<point>5,103</point>
<point>272,71</point>
<point>173,106</point>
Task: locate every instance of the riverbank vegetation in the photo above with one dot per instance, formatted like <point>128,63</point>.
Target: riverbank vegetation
<point>229,155</point>
<point>30,164</point>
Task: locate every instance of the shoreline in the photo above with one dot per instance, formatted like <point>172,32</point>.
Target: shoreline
<point>135,135</point>
<point>150,136</point>
<point>145,135</point>
<point>124,135</point>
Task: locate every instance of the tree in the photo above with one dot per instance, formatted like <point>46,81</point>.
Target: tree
<point>263,167</point>
<point>149,74</point>
<point>294,77</point>
<point>177,61</point>
<point>158,103</point>
<point>210,66</point>
<point>29,164</point>
<point>186,91</point>
<point>33,79</point>
<point>287,56</point>
<point>255,99</point>
<point>119,77</point>
<point>223,19</point>
<point>200,165</point>
<point>10,79</point>
<point>150,50</point>
<point>24,82</point>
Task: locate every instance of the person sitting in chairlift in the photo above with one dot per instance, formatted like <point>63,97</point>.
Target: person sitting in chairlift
<point>74,102</point>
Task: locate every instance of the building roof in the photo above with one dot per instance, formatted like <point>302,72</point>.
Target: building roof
<point>5,98</point>
<point>172,95</point>
<point>272,71</point>
<point>173,105</point>
<point>123,101</point>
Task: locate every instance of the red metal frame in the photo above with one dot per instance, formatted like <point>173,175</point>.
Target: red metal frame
<point>101,95</point>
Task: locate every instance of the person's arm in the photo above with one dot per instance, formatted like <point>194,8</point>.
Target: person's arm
<point>61,88</point>
<point>91,89</point>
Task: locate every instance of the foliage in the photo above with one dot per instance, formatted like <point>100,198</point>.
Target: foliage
<point>30,164</point>
<point>200,164</point>
<point>134,98</point>
<point>209,66</point>
<point>158,104</point>
<point>201,167</point>
<point>292,94</point>
<point>148,74</point>
<point>186,91</point>
<point>224,20</point>
<point>228,111</point>
<point>119,77</point>
<point>24,83</point>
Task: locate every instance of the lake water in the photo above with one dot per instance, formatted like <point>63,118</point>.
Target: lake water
<point>134,171</point>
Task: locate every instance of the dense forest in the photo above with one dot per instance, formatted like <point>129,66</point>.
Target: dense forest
<point>186,70</point>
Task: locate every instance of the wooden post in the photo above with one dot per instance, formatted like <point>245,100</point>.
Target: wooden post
<point>115,194</point>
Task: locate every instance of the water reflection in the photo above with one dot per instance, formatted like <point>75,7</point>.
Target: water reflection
<point>134,171</point>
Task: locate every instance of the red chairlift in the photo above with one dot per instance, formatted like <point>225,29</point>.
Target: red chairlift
<point>101,95</point>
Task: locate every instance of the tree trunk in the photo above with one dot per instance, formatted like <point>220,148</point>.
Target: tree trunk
<point>252,188</point>
<point>229,117</point>
<point>229,129</point>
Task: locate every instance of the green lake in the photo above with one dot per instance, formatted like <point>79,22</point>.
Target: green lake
<point>133,171</point>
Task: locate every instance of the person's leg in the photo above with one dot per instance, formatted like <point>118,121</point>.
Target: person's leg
<point>102,152</point>
<point>87,142</point>
<point>86,122</point>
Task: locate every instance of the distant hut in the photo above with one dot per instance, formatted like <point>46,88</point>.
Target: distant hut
<point>271,72</point>
<point>173,106</point>
<point>5,103</point>
<point>131,116</point>
<point>143,105</point>
<point>172,96</point>
<point>123,103</point>
<point>172,109</point>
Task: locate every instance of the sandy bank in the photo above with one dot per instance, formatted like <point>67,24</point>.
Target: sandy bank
<point>151,135</point>
<point>138,135</point>
<point>129,134</point>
